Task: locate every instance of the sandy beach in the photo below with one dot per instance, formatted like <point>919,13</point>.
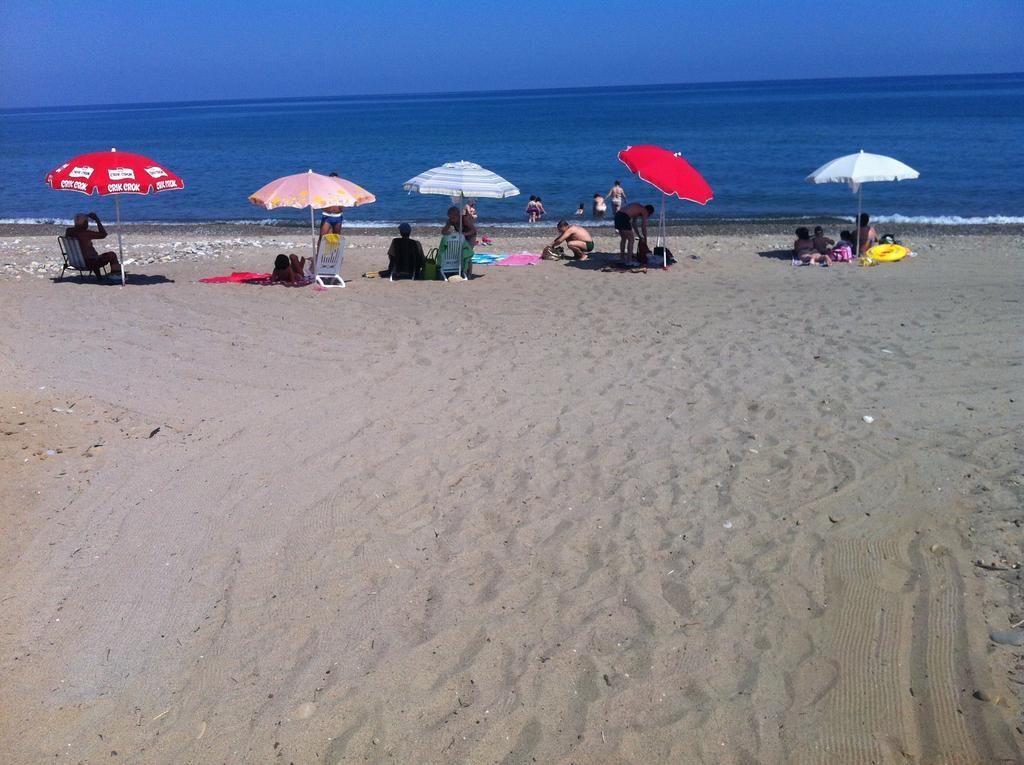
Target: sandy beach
<point>732,512</point>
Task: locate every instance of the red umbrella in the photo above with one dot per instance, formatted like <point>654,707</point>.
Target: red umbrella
<point>670,174</point>
<point>113,172</point>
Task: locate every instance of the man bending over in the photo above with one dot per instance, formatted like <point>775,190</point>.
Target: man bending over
<point>626,220</point>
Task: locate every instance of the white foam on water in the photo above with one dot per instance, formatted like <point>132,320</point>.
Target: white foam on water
<point>948,220</point>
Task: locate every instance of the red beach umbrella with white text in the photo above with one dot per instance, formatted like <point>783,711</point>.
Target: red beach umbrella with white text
<point>670,174</point>
<point>113,172</point>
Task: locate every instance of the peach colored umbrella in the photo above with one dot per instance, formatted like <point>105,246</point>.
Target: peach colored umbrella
<point>311,190</point>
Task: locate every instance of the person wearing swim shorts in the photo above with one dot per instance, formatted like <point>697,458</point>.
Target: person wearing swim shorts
<point>599,206</point>
<point>575,237</point>
<point>331,219</point>
<point>625,219</point>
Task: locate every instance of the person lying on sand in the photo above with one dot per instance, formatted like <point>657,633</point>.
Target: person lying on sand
<point>575,237</point>
<point>804,250</point>
<point>289,269</point>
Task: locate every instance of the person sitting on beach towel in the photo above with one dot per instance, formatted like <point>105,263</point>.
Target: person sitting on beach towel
<point>575,237</point>
<point>289,269</point>
<point>822,243</point>
<point>868,235</point>
<point>804,251</point>
<point>405,255</point>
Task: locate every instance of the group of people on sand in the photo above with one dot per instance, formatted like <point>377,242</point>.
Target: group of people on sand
<point>630,221</point>
<point>822,250</point>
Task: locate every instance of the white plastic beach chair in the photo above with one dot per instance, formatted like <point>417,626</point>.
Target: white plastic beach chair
<point>449,256</point>
<point>328,260</point>
<point>73,257</point>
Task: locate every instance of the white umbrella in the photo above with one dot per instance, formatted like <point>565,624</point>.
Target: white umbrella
<point>461,180</point>
<point>860,168</point>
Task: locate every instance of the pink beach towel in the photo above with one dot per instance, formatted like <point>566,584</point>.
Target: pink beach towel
<point>519,259</point>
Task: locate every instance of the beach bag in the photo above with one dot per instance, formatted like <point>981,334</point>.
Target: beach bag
<point>663,255</point>
<point>430,272</point>
<point>842,253</point>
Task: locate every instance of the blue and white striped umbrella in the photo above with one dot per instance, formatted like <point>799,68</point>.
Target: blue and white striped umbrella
<point>461,179</point>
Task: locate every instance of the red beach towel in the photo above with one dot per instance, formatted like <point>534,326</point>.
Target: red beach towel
<point>236,277</point>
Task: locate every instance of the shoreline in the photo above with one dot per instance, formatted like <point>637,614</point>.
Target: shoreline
<point>497,230</point>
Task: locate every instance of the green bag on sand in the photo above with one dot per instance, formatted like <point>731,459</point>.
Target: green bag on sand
<point>430,270</point>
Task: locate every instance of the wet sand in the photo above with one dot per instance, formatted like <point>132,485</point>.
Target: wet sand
<point>548,515</point>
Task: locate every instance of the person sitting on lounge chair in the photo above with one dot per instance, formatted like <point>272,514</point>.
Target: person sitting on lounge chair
<point>576,238</point>
<point>405,255</point>
<point>81,233</point>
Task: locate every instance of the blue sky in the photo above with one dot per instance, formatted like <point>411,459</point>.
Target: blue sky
<point>64,53</point>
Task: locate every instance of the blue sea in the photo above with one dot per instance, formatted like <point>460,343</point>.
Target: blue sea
<point>754,142</point>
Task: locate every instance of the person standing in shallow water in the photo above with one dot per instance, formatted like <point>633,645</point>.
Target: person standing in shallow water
<point>617,196</point>
<point>599,206</point>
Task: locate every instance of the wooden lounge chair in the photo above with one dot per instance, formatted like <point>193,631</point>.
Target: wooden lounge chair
<point>328,260</point>
<point>73,258</point>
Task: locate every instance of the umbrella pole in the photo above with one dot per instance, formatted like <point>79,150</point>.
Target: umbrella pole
<point>662,233</point>
<point>860,199</point>
<point>120,250</point>
<point>312,234</point>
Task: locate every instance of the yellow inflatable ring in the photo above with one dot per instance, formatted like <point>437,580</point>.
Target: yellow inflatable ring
<point>887,253</point>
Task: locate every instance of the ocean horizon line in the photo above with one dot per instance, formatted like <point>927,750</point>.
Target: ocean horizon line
<point>471,94</point>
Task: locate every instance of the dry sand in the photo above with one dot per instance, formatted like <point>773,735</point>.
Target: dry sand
<point>550,515</point>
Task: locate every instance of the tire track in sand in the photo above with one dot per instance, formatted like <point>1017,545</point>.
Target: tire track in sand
<point>895,631</point>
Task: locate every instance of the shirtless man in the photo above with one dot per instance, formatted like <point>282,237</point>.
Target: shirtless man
<point>84,236</point>
<point>625,220</point>
<point>468,225</point>
<point>617,196</point>
<point>575,237</point>
<point>599,206</point>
